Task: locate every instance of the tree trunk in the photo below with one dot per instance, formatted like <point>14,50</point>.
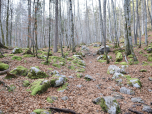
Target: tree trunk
<point>7,18</point>
<point>56,27</point>
<point>29,23</point>
<point>146,37</point>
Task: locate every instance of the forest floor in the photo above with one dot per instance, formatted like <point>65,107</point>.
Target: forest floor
<point>80,99</point>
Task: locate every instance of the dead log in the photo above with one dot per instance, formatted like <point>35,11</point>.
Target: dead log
<point>4,72</point>
<point>9,76</point>
<point>63,110</point>
<point>134,111</point>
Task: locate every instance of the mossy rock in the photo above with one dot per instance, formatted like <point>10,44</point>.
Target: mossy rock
<point>143,70</point>
<point>3,66</point>
<point>28,55</point>
<point>141,52</point>
<point>71,67</point>
<point>26,83</point>
<point>45,53</point>
<point>63,87</point>
<point>51,99</point>
<point>127,76</point>
<point>144,63</point>
<point>17,50</point>
<point>20,70</point>
<point>36,73</point>
<point>79,75</point>
<point>135,82</point>
<point>39,86</point>
<point>131,61</point>
<point>11,54</point>
<point>116,62</point>
<point>10,76</point>
<point>81,63</point>
<point>2,56</point>
<point>40,111</point>
<point>119,57</point>
<point>69,58</point>
<point>149,57</point>
<point>28,52</point>
<point>52,82</point>
<point>101,61</point>
<point>17,58</point>
<point>123,63</point>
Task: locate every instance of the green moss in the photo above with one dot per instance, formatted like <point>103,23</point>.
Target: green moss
<point>2,56</point>
<point>39,51</point>
<point>33,75</point>
<point>144,63</point>
<point>123,63</point>
<point>66,54</point>
<point>138,81</point>
<point>101,61</point>
<point>56,65</point>
<point>28,55</point>
<point>26,83</point>
<point>11,54</point>
<point>38,111</point>
<point>130,56</point>
<point>37,87</point>
<point>116,62</point>
<point>103,105</point>
<point>50,100</point>
<point>63,87</point>
<point>119,57</point>
<point>18,50</point>
<point>20,70</point>
<point>149,57</point>
<point>118,110</point>
<point>108,72</point>
<point>80,70</point>
<point>3,66</point>
<point>150,64</point>
<point>11,88</point>
<point>52,82</point>
<point>50,68</point>
<point>127,76</point>
<point>79,75</point>
<point>81,63</point>
<point>45,53</point>
<point>143,70</point>
<point>17,58</point>
<point>71,67</point>
<point>69,58</point>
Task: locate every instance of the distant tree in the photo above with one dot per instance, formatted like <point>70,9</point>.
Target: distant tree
<point>56,27</point>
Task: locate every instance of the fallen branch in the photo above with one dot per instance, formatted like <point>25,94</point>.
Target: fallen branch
<point>4,72</point>
<point>63,110</point>
<point>137,112</point>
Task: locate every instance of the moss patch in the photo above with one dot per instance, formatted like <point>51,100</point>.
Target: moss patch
<point>130,56</point>
<point>17,58</point>
<point>28,55</point>
<point>3,66</point>
<point>56,65</point>
<point>149,58</point>
<point>52,82</point>
<point>123,63</point>
<point>80,70</point>
<point>51,99</point>
<point>17,50</point>
<point>39,111</point>
<point>11,88</point>
<point>79,75</point>
<point>26,83</point>
<point>119,57</point>
<point>71,67</point>
<point>143,70</point>
<point>37,87</point>
<point>103,105</point>
<point>20,70</point>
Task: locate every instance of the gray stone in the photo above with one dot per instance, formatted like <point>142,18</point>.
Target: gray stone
<point>111,103</point>
<point>101,50</point>
<point>96,100</point>
<point>150,78</point>
<point>30,113</point>
<point>71,77</point>
<point>118,80</point>
<point>137,99</point>
<point>135,82</point>
<point>117,75</point>
<point>88,77</point>
<point>45,112</point>
<point>44,81</point>
<point>113,68</point>
<point>65,98</point>
<point>61,90</point>
<point>96,45</point>
<point>79,86</point>
<point>55,72</point>
<point>60,81</point>
<point>126,91</point>
<point>117,95</point>
<point>100,57</point>
<point>147,109</point>
<point>98,86</point>
<point>150,90</point>
<point>77,56</point>
<point>149,49</point>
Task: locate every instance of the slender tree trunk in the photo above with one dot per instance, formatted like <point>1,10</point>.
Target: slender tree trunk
<point>29,23</point>
<point>2,33</point>
<point>134,23</point>
<point>7,18</point>
<point>146,37</point>
<point>142,15</point>
<point>56,27</point>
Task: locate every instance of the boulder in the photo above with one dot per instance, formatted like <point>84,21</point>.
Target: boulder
<point>96,45</point>
<point>117,75</point>
<point>112,69</point>
<point>36,73</point>
<point>84,48</point>
<point>88,77</point>
<point>17,50</point>
<point>101,50</point>
<point>110,105</point>
<point>96,100</point>
<point>60,81</point>
<point>149,50</point>
<point>64,98</point>
<point>119,57</point>
<point>126,91</point>
<point>20,70</point>
<point>3,66</point>
<point>39,86</point>
<point>137,100</point>
<point>147,109</point>
<point>135,82</point>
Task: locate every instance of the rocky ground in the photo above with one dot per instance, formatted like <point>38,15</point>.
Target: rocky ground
<point>80,93</point>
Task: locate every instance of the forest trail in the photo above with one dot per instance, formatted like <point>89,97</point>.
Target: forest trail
<point>80,92</point>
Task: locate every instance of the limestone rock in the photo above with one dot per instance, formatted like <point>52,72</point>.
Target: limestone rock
<point>117,95</point>
<point>96,100</point>
<point>117,75</point>
<point>65,98</point>
<point>150,78</point>
<point>88,77</point>
<point>126,91</point>
<point>17,50</point>
<point>147,109</point>
<point>101,50</point>
<point>135,82</point>
<point>137,99</point>
<point>60,81</point>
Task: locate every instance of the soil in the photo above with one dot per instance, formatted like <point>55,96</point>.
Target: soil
<point>80,99</point>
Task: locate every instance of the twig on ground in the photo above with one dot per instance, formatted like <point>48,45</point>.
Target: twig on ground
<point>137,112</point>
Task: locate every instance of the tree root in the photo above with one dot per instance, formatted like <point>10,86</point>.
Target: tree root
<point>137,112</point>
<point>4,72</point>
<point>63,110</point>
